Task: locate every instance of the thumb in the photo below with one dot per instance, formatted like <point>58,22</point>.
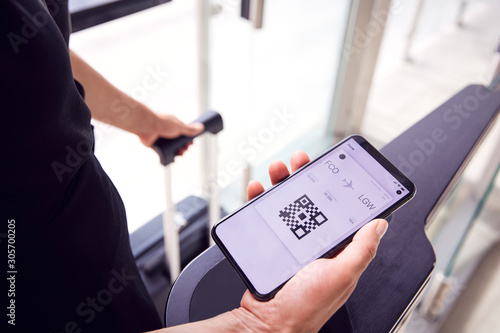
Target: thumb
<point>192,129</point>
<point>358,254</point>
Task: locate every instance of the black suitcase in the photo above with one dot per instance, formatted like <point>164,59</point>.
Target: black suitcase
<point>191,225</point>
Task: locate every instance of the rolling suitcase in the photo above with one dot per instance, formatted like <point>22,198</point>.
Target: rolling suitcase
<point>186,225</point>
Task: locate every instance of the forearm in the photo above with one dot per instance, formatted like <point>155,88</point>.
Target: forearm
<point>108,104</point>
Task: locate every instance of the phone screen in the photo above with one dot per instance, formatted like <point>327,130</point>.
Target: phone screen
<point>310,213</point>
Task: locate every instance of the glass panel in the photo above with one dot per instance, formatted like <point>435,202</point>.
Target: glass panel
<point>445,58</point>
<point>273,85</point>
<point>462,232</point>
<point>157,45</point>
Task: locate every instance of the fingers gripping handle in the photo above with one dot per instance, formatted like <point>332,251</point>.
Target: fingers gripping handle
<point>168,148</point>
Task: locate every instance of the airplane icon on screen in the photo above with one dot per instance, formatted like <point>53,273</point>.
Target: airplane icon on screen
<point>348,184</point>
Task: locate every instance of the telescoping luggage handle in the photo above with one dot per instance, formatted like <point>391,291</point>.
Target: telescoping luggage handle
<point>167,149</point>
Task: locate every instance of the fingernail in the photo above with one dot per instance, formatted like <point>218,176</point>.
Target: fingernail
<point>381,228</point>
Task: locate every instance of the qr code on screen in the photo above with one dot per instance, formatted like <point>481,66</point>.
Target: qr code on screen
<point>302,216</point>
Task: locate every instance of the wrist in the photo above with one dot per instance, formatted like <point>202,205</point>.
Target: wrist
<point>142,121</point>
<point>147,122</point>
<point>246,321</point>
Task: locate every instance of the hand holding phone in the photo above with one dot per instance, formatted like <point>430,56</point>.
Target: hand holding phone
<point>313,213</point>
<point>312,296</point>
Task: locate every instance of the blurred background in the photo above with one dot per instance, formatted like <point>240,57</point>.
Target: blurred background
<point>296,74</point>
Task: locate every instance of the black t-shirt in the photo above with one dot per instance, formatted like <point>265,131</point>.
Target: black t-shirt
<point>74,271</point>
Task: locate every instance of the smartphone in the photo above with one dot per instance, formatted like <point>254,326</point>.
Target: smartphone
<point>313,213</point>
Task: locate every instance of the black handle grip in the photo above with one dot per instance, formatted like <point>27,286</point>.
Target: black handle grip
<point>168,148</point>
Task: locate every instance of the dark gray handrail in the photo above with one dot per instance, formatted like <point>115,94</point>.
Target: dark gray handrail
<point>433,153</point>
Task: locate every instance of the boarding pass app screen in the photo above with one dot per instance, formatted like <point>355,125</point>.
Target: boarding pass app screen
<point>309,214</point>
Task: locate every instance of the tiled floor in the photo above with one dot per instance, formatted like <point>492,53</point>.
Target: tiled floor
<point>477,308</point>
